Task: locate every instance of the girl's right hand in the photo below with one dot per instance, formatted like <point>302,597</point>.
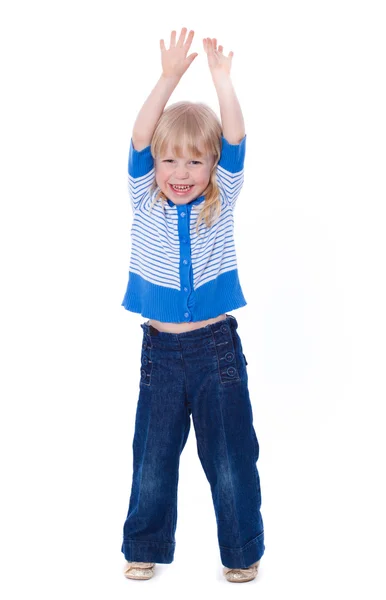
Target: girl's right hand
<point>174,61</point>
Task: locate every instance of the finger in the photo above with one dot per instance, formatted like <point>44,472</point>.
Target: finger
<point>220,49</point>
<point>189,39</point>
<point>214,42</point>
<point>230,55</point>
<point>191,57</point>
<point>209,45</point>
<point>182,36</point>
<point>173,39</point>
<point>162,45</point>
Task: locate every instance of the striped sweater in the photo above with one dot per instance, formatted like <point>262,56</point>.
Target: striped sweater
<point>176,276</point>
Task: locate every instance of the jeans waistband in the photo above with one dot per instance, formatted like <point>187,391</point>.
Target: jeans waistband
<point>196,334</point>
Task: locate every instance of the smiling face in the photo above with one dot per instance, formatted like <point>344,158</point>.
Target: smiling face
<point>182,179</point>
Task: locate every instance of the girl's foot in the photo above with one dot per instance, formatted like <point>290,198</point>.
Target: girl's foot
<point>241,575</point>
<point>138,570</point>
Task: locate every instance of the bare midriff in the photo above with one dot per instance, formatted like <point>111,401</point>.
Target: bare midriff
<point>182,327</point>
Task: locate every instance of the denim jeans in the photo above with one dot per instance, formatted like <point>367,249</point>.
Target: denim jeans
<point>200,373</point>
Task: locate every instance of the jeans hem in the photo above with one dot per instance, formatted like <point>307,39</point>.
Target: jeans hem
<point>242,558</point>
<point>148,551</point>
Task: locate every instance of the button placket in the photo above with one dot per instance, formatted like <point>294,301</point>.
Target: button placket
<point>185,260</point>
<point>226,354</point>
<point>146,362</point>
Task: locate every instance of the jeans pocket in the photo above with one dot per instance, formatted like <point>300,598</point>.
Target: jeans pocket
<point>256,443</point>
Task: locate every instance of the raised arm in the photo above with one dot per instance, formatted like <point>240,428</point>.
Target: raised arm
<point>174,64</point>
<point>231,116</point>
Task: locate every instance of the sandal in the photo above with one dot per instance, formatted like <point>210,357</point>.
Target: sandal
<point>138,570</point>
<point>241,575</point>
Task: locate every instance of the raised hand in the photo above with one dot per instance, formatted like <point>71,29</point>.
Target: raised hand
<point>174,60</point>
<point>218,63</point>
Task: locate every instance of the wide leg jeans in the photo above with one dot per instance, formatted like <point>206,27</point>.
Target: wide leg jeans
<point>200,373</point>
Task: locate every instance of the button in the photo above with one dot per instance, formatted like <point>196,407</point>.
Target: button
<point>185,261</point>
<point>229,356</point>
<point>186,314</point>
<point>184,240</point>
<point>145,360</point>
<point>185,289</point>
<point>143,373</point>
<point>231,371</point>
<point>144,345</point>
<point>182,214</point>
<point>224,328</point>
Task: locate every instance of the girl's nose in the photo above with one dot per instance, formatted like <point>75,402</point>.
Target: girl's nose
<point>181,173</point>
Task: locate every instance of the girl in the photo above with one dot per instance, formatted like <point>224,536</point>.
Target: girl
<point>185,174</point>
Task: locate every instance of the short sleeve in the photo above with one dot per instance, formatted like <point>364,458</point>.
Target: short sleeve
<point>140,174</point>
<point>230,169</point>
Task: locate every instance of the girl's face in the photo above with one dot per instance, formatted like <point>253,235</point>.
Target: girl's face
<point>183,179</point>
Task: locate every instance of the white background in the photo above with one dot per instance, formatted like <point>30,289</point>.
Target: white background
<point>310,240</point>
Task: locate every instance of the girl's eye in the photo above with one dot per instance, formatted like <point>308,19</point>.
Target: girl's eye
<point>169,160</point>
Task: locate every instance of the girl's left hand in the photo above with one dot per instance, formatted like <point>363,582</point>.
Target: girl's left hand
<point>218,63</point>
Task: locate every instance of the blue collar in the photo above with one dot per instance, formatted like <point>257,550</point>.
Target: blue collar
<point>196,201</point>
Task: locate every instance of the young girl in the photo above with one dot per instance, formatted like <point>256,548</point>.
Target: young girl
<point>185,174</point>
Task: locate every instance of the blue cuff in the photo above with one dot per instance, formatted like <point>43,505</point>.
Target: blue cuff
<point>140,161</point>
<point>232,155</point>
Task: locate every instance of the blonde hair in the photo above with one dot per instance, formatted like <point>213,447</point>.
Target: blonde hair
<point>188,125</point>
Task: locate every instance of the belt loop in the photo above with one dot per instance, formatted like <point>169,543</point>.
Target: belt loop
<point>231,320</point>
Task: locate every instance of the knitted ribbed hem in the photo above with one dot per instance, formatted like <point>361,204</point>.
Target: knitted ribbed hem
<point>214,298</point>
<point>148,551</point>
<point>232,155</point>
<point>140,161</point>
<point>242,558</point>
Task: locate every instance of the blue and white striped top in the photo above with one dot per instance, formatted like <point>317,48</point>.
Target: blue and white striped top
<point>176,276</point>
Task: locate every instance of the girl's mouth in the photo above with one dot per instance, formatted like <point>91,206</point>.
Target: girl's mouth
<point>181,190</point>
